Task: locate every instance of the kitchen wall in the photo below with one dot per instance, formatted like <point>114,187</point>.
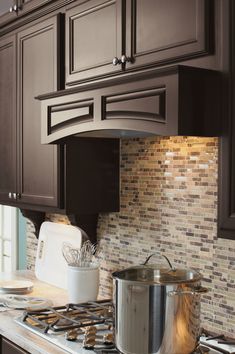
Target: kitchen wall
<point>169,205</point>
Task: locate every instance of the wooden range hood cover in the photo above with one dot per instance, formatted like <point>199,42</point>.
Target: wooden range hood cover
<point>177,100</point>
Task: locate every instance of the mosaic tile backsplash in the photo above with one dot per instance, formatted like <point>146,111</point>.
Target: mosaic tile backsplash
<point>168,205</point>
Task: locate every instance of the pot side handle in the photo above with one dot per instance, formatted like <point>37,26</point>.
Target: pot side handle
<point>196,291</point>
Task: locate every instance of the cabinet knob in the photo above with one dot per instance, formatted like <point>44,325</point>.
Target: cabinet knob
<point>116,61</point>
<point>13,8</point>
<point>16,196</point>
<point>10,195</point>
<point>125,59</point>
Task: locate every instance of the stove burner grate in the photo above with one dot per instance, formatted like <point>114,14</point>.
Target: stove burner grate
<point>70,316</point>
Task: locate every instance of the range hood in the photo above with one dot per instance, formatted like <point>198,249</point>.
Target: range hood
<point>178,100</point>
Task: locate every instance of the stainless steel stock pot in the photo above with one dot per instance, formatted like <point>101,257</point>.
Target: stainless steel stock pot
<point>157,310</point>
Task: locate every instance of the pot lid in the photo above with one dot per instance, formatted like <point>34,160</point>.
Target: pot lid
<point>152,274</point>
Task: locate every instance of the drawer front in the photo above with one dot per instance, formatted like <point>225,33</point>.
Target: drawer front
<point>10,348</point>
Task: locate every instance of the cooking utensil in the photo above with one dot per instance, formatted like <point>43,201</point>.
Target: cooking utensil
<point>79,257</point>
<point>86,253</point>
<point>157,310</point>
<point>71,254</point>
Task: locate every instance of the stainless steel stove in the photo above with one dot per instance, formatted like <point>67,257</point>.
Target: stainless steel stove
<point>88,328</point>
<point>78,329</point>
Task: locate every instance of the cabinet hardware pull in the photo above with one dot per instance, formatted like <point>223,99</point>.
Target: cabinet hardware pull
<point>10,195</point>
<point>14,8</point>
<point>15,195</point>
<point>116,61</point>
<point>125,59</point>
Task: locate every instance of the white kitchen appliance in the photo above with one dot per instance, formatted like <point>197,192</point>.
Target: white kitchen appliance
<point>50,265</point>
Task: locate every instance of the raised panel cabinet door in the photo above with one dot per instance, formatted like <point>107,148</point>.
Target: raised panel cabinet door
<point>162,31</point>
<point>7,117</point>
<point>37,74</point>
<point>226,191</point>
<point>93,39</point>
<point>8,347</point>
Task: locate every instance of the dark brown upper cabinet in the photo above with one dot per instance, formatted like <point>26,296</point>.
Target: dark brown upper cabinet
<point>107,37</point>
<point>78,177</point>
<point>37,72</point>
<point>93,39</point>
<point>8,180</point>
<point>164,31</point>
<point>226,198</point>
<point>29,171</point>
<point>81,176</point>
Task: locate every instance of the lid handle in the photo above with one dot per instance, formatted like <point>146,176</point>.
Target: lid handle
<point>166,258</point>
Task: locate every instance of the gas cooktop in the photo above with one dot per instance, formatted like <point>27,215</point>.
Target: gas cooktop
<point>88,328</point>
<point>78,329</point>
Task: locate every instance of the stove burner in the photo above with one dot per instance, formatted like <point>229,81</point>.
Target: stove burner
<point>71,316</point>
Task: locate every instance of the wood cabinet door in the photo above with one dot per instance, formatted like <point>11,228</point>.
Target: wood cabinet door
<point>93,39</point>
<point>226,195</point>
<point>164,31</point>
<point>37,73</point>
<point>8,347</point>
<point>7,117</point>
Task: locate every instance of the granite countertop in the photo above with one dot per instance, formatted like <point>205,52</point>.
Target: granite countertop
<point>19,335</point>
